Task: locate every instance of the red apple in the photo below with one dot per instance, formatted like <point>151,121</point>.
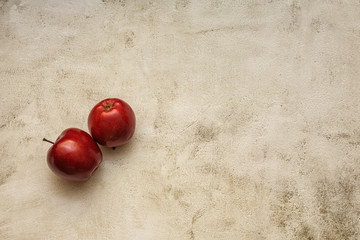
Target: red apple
<point>74,155</point>
<point>112,122</point>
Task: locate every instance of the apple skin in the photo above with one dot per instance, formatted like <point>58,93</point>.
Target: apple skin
<point>74,155</point>
<point>112,122</point>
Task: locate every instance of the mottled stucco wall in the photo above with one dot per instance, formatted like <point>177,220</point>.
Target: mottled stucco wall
<point>247,118</point>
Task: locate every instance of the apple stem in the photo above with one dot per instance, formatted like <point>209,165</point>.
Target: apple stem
<point>45,140</point>
<point>113,148</point>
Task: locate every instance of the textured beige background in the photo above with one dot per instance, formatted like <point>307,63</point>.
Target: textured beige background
<point>247,118</point>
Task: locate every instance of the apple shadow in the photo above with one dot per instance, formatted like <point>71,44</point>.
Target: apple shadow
<point>117,154</point>
<point>76,189</point>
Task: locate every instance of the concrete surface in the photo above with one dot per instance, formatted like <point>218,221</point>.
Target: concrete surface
<point>247,118</point>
